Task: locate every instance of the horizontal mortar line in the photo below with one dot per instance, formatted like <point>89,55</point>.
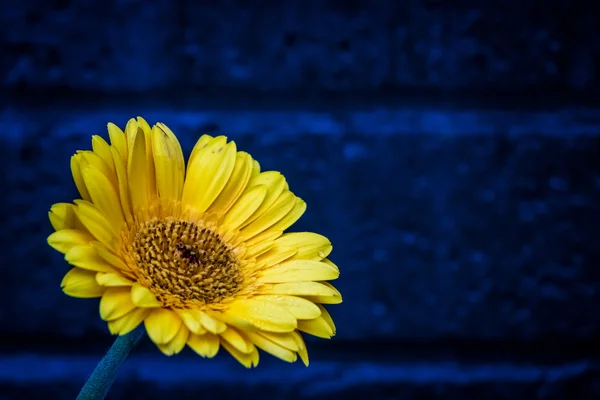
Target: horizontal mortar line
<point>291,123</point>
<point>320,376</point>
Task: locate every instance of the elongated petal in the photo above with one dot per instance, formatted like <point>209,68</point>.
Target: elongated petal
<point>78,178</point>
<point>212,324</point>
<point>62,216</point>
<point>276,255</point>
<point>138,175</point>
<point>177,343</point>
<point>248,360</point>
<point>128,322</point>
<point>102,149</point>
<point>290,218</point>
<point>115,303</point>
<point>118,141</point>
<point>206,345</point>
<point>245,207</point>
<point>275,184</point>
<point>297,306</point>
<point>316,327</point>
<point>263,315</point>
<point>235,185</point>
<point>123,186</point>
<point>310,246</point>
<point>162,325</point>
<point>272,348</point>
<point>66,239</point>
<point>299,271</point>
<point>285,340</point>
<point>104,196</point>
<point>300,289</point>
<point>169,163</point>
<point>143,297</point>
<point>239,342</point>
<point>84,256</point>
<point>97,224</point>
<point>208,174</point>
<point>81,283</point>
<point>200,144</point>
<point>110,257</point>
<point>191,319</point>
<point>113,279</point>
<point>270,217</point>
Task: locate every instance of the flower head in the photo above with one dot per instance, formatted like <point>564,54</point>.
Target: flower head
<point>197,254</point>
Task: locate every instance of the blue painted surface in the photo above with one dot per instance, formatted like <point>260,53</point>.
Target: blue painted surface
<point>449,151</point>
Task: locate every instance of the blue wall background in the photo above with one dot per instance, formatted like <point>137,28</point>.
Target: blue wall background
<point>449,149</point>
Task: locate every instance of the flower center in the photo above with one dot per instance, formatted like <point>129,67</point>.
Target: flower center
<point>184,264</point>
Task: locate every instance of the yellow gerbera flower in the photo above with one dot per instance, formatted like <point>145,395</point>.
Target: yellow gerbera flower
<point>198,254</point>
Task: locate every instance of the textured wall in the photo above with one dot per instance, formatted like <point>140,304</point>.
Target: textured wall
<point>449,149</point>
<point>313,46</point>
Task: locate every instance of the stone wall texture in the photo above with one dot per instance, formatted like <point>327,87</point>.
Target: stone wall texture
<point>449,149</point>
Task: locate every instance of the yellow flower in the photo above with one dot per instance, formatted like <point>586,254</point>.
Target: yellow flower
<point>197,254</point>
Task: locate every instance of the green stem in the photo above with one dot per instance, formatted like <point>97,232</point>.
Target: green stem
<point>102,378</point>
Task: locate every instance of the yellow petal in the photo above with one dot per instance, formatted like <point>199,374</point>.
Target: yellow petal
<point>235,185</point>
<point>97,224</point>
<point>162,325</point>
<point>299,271</point>
<point>212,324</point>
<point>81,283</point>
<point>66,239</point>
<point>169,163</point>
<point>276,255</point>
<point>275,183</point>
<point>128,322</point>
<point>138,175</point>
<point>272,348</point>
<point>247,360</point>
<point>151,170</point>
<point>104,196</point>
<point>270,217</point>
<point>118,141</point>
<point>177,343</point>
<point>89,159</point>
<point>84,256</point>
<point>255,168</point>
<point>113,279</point>
<point>200,144</point>
<point>299,289</point>
<point>209,173</point>
<point>238,341</point>
<point>247,204</point>
<point>267,236</point>
<point>334,298</point>
<point>143,297</point>
<point>206,345</point>
<point>78,178</point>
<point>297,306</point>
<point>102,149</point>
<point>191,319</point>
<point>123,186</point>
<point>316,327</point>
<point>109,256</point>
<point>62,216</point>
<point>311,246</point>
<point>285,340</point>
<point>115,303</point>
<point>303,353</point>
<point>290,218</point>
<point>263,315</point>
<point>325,315</point>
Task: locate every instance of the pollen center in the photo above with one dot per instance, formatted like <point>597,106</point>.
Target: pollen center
<point>185,264</point>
